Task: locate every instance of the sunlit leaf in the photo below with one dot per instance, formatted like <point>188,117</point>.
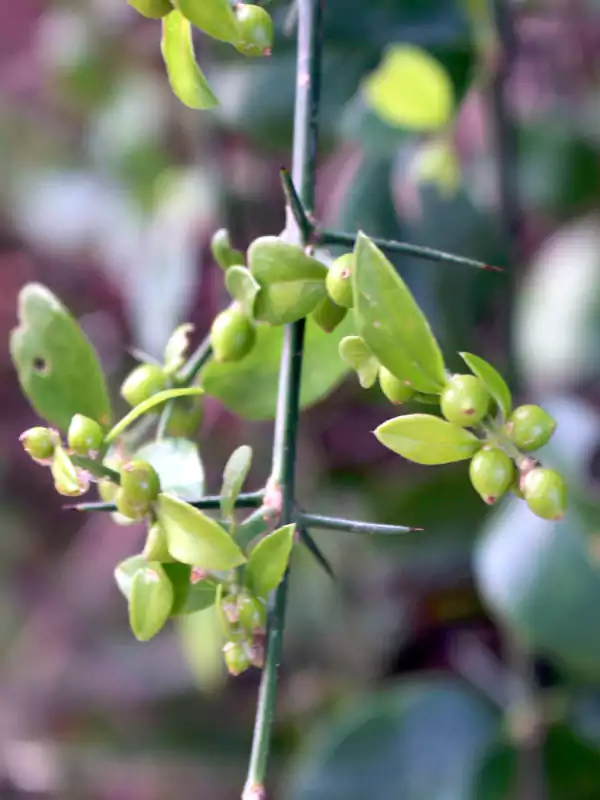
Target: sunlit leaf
<point>242,287</point>
<point>268,561</point>
<point>496,385</point>
<point>186,79</point>
<point>150,601</point>
<point>214,17</point>
<point>427,440</point>
<point>355,353</point>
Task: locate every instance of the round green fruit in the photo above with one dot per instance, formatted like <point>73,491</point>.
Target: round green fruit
<point>39,443</point>
<point>339,280</point>
<point>545,492</point>
<point>153,9</point>
<point>492,473</point>
<point>236,658</point>
<point>85,436</point>
<point>140,484</point>
<point>143,382</point>
<point>126,508</point>
<point>232,335</point>
<point>255,27</point>
<point>465,400</point>
<point>530,427</point>
<point>328,315</point>
<point>394,389</point>
<point>252,613</point>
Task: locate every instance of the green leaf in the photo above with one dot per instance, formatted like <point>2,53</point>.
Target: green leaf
<point>249,387</point>
<point>150,601</point>
<point>427,440</point>
<point>214,17</point>
<point>495,383</point>
<point>268,561</point>
<point>189,597</point>
<point>242,287</point>
<point>391,323</point>
<point>187,81</point>
<point>176,349</point>
<point>126,571</point>
<point>201,595</point>
<point>224,254</point>
<point>200,640</point>
<point>57,367</point>
<point>234,475</point>
<point>411,89</point>
<point>178,464</point>
<point>156,547</point>
<point>195,538</point>
<point>355,353</point>
<point>143,408</point>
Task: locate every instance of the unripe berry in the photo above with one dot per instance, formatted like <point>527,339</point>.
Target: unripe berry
<point>39,443</point>
<point>153,9</point>
<point>255,27</point>
<point>236,658</point>
<point>545,492</point>
<point>492,473</point>
<point>126,508</point>
<point>140,484</point>
<point>143,382</point>
<point>232,335</point>
<point>328,315</point>
<point>252,613</point>
<point>339,280</point>
<point>85,436</point>
<point>465,400</point>
<point>394,389</point>
<point>530,427</point>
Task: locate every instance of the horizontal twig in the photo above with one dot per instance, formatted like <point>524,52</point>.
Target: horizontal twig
<point>248,500</point>
<point>351,525</point>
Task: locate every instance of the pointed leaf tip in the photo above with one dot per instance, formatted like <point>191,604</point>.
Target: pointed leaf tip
<point>425,439</point>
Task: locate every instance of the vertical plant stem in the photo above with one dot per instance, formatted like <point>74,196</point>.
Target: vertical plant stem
<point>308,80</point>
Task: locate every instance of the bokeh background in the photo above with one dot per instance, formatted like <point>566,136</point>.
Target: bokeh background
<point>406,679</point>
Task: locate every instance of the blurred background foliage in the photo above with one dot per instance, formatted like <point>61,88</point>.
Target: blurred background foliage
<point>399,681</point>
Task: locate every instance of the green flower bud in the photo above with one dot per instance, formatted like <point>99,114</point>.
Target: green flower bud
<point>140,484</point>
<point>40,443</point>
<point>69,480</point>
<point>143,382</point>
<point>255,27</point>
<point>394,389</point>
<point>530,427</point>
<point>492,473</point>
<point>328,315</point>
<point>85,436</point>
<point>186,417</point>
<point>545,492</point>
<point>465,400</point>
<point>236,658</point>
<point>153,9</point>
<point>252,613</point>
<point>126,508</point>
<point>339,280</point>
<point>232,335</point>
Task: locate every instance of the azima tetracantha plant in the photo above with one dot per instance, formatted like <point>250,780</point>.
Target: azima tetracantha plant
<point>192,561</point>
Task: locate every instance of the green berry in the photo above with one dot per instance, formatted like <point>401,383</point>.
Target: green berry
<point>492,473</point>
<point>394,389</point>
<point>236,658</point>
<point>143,382</point>
<point>530,427</point>
<point>255,27</point>
<point>154,9</point>
<point>39,443</point>
<point>126,508</point>
<point>85,436</point>
<point>339,280</point>
<point>545,492</point>
<point>465,400</point>
<point>140,484</point>
<point>328,315</point>
<point>232,335</point>
<point>252,613</point>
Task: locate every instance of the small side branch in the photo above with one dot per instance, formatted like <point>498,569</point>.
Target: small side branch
<point>351,526</point>
<point>248,500</point>
<point>295,205</point>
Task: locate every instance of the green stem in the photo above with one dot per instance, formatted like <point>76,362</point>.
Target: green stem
<point>308,80</point>
<point>96,468</point>
<point>352,526</point>
<point>247,500</point>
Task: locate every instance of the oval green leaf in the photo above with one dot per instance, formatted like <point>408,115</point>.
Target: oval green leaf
<point>234,475</point>
<point>187,81</point>
<point>152,402</point>
<point>125,572</point>
<point>496,385</point>
<point>189,597</point>
<point>150,601</point>
<point>242,287</point>
<point>427,440</point>
<point>178,464</point>
<point>224,254</point>
<point>391,323</point>
<point>56,365</point>
<point>213,17</point>
<point>411,89</point>
<point>268,561</point>
<point>355,353</point>
<point>196,539</point>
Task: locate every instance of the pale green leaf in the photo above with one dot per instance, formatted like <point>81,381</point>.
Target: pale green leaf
<point>187,81</point>
<point>213,17</point>
<point>242,287</point>
<point>269,560</point>
<point>200,640</point>
<point>67,478</point>
<point>176,348</point>
<point>152,402</point>
<point>234,475</point>
<point>150,601</point>
<point>355,353</point>
<point>178,464</point>
<point>495,383</point>
<point>125,572</point>
<point>427,440</point>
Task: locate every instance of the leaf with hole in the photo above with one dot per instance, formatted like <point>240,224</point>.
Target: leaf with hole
<point>178,464</point>
<point>213,17</point>
<point>149,404</point>
<point>176,348</point>
<point>269,560</point>
<point>56,365</point>
<point>427,440</point>
<point>242,287</point>
<point>150,601</point>
<point>234,475</point>
<point>495,383</point>
<point>391,323</point>
<point>185,77</point>
<point>355,353</point>
<point>195,538</point>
